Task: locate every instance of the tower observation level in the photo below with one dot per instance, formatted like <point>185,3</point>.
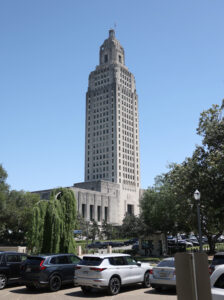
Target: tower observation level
<point>112,131</point>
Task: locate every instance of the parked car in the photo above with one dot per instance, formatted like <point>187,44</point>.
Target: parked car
<point>110,271</point>
<point>163,275</point>
<point>10,263</point>
<point>217,283</point>
<point>130,242</point>
<point>49,270</point>
<point>218,259</point>
<point>96,245</point>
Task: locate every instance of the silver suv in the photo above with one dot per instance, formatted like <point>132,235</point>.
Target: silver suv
<point>110,271</point>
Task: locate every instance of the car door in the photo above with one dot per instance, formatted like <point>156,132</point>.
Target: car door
<point>135,271</point>
<point>73,260</point>
<point>60,265</point>
<point>13,263</point>
<point>121,268</point>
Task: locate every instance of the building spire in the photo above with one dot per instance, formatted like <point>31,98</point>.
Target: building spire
<point>111,34</point>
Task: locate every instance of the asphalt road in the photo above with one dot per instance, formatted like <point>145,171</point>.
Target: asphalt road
<point>126,293</point>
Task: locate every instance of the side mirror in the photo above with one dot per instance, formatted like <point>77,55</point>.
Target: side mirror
<point>139,263</point>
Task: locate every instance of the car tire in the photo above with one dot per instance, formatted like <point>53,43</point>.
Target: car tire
<point>30,286</point>
<point>114,286</point>
<point>55,283</point>
<point>146,282</point>
<point>85,289</point>
<point>3,281</point>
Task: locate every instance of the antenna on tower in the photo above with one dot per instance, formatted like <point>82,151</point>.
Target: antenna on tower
<point>115,25</point>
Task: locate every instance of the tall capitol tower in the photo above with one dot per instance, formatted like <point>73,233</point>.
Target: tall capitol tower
<point>112,131</point>
<point>112,177</point>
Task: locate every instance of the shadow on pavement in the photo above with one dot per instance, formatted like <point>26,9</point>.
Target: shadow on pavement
<point>102,293</point>
<point>162,292</point>
<point>24,290</point>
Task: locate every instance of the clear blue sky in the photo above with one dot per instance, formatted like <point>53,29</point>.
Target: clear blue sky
<point>174,48</point>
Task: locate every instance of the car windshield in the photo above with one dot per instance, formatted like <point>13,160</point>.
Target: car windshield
<point>166,263</point>
<point>218,260</point>
<point>91,261</point>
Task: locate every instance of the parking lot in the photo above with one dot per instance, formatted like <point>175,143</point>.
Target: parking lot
<point>127,293</point>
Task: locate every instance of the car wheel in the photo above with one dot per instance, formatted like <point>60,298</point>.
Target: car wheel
<point>3,281</point>
<point>85,289</point>
<point>55,283</point>
<point>114,286</point>
<point>146,282</point>
<point>30,286</point>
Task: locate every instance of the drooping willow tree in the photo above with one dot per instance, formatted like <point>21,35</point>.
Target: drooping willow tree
<point>53,223</point>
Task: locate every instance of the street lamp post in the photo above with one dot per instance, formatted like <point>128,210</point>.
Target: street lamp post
<point>197,197</point>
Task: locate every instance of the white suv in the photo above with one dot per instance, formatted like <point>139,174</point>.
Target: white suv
<point>110,271</point>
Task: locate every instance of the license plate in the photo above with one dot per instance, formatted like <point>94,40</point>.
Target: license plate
<point>163,274</point>
<point>85,272</point>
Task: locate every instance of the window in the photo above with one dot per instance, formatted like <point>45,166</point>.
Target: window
<point>106,213</point>
<point>99,213</point>
<point>83,210</point>
<point>130,260</point>
<point>106,58</point>
<point>119,58</point>
<point>130,209</point>
<point>12,258</point>
<point>23,257</point>
<point>117,261</point>
<point>73,259</point>
<point>220,282</point>
<point>91,212</point>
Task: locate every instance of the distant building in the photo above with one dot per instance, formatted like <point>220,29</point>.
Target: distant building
<point>112,163</point>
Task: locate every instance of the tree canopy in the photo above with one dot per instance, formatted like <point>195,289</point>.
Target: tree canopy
<point>53,223</point>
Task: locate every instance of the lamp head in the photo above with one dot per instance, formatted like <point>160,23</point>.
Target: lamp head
<point>197,195</point>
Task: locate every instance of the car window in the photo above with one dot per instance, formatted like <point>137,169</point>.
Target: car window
<point>34,260</point>
<point>91,261</point>
<point>59,260</point>
<point>23,257</point>
<point>73,259</point>
<point>130,260</point>
<point>218,260</point>
<point>117,261</point>
<point>220,282</point>
<point>166,263</point>
<point>12,258</point>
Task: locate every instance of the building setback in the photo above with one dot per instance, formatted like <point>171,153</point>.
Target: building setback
<point>112,163</point>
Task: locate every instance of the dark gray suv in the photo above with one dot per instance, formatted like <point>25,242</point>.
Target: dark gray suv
<point>10,263</point>
<point>51,270</point>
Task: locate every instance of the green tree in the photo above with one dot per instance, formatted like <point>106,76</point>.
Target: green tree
<point>107,230</point>
<point>35,234</point>
<point>94,231</point>
<point>53,223</point>
<point>132,226</point>
<point>4,188</point>
<point>204,171</point>
<point>16,216</point>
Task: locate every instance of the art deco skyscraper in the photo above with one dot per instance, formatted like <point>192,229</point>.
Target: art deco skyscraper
<point>112,131</point>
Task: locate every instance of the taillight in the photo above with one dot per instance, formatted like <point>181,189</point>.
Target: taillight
<point>151,272</point>
<point>41,265</point>
<point>210,271</point>
<point>77,267</point>
<point>98,269</point>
